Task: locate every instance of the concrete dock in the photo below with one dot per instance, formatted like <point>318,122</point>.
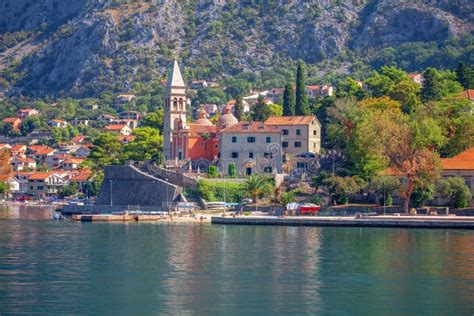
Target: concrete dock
<point>117,218</point>
<point>453,222</point>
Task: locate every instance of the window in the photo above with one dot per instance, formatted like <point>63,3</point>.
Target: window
<point>267,169</point>
<point>250,139</point>
<point>315,133</point>
<point>40,187</point>
<point>297,144</point>
<point>298,132</point>
<point>284,144</point>
<point>267,155</point>
<point>268,139</point>
<point>234,139</point>
<point>216,146</point>
<point>235,155</point>
<point>250,154</point>
<point>285,132</point>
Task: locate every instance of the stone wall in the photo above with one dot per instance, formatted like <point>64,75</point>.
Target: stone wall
<point>130,186</point>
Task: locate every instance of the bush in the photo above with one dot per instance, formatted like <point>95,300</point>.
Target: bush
<point>213,191</point>
<point>340,188</point>
<point>455,190</point>
<point>213,172</point>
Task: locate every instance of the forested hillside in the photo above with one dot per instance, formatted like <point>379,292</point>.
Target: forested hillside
<point>84,48</point>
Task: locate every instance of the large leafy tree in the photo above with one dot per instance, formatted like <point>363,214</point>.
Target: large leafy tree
<point>107,150</point>
<point>455,190</point>
<point>257,186</point>
<point>155,119</point>
<point>289,101</point>
<point>465,76</point>
<point>301,103</point>
<point>147,145</point>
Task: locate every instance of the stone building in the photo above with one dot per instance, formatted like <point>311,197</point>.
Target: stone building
<point>254,147</point>
<point>300,134</point>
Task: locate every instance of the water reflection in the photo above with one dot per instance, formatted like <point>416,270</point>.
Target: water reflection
<point>76,268</point>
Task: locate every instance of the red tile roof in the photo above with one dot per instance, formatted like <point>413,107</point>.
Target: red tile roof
<point>74,160</point>
<point>18,147</point>
<point>11,120</point>
<point>28,160</point>
<point>469,94</point>
<point>196,130</point>
<point>115,127</point>
<point>251,127</point>
<point>290,120</point>
<point>40,175</point>
<point>5,177</point>
<point>82,176</point>
<point>463,161</point>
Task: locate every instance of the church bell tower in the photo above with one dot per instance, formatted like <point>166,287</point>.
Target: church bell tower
<point>175,108</point>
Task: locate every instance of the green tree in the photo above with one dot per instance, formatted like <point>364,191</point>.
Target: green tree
<point>455,190</point>
<point>155,119</point>
<point>340,188</point>
<point>431,90</point>
<point>232,170</point>
<point>239,109</point>
<point>107,150</point>
<point>289,101</point>
<point>286,197</point>
<point>301,102</point>
<point>213,172</point>
<point>465,75</point>
<point>257,186</point>
<point>146,145</point>
<point>422,193</point>
<point>261,110</point>
<point>384,187</point>
<point>4,188</point>
<point>68,190</point>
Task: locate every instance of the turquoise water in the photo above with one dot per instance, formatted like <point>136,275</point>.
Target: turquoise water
<point>49,267</point>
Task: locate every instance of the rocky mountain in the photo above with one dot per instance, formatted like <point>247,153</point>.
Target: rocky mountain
<point>86,47</point>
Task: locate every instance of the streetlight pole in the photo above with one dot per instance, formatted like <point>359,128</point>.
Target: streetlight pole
<point>167,206</point>
<point>111,194</point>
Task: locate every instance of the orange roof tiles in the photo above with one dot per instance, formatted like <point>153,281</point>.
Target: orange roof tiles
<point>82,176</point>
<point>40,175</point>
<point>74,160</point>
<point>5,177</point>
<point>11,120</point>
<point>196,130</point>
<point>28,160</point>
<point>116,127</point>
<point>290,120</point>
<point>463,161</point>
<point>18,147</point>
<point>469,94</point>
<point>251,127</point>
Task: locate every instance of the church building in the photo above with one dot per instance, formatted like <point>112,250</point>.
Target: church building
<point>197,140</point>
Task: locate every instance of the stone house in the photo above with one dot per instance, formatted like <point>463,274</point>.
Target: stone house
<point>319,90</point>
<point>122,129</point>
<point>461,165</point>
<point>23,113</point>
<point>299,134</point>
<point>254,147</point>
<point>57,123</point>
<point>42,184</point>
<point>14,122</point>
<point>22,163</point>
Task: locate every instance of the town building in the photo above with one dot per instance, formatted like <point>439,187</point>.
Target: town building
<point>39,153</point>
<point>22,163</point>
<point>461,165</point>
<point>24,113</point>
<point>417,78</point>
<point>253,147</point>
<point>300,134</point>
<point>129,115</point>
<point>122,129</point>
<point>199,84</point>
<point>124,99</point>
<point>57,123</point>
<point>14,122</point>
<point>314,91</point>
<point>42,184</point>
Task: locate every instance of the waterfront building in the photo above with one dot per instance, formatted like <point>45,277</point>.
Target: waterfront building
<point>254,147</point>
<point>299,134</point>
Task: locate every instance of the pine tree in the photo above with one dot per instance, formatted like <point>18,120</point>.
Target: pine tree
<point>238,109</point>
<point>301,98</point>
<point>431,90</point>
<point>465,76</point>
<point>289,101</point>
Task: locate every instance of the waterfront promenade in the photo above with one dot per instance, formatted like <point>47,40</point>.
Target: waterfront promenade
<point>455,222</point>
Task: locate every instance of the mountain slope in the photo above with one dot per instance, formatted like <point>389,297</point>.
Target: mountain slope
<point>85,47</point>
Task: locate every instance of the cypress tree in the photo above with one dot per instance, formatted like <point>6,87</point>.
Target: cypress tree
<point>431,90</point>
<point>238,109</point>
<point>289,100</point>
<point>301,98</point>
<point>465,76</point>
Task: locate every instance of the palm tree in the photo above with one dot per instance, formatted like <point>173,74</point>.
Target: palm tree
<point>256,186</point>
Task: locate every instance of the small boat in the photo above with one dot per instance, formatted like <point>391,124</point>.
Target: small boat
<point>58,217</point>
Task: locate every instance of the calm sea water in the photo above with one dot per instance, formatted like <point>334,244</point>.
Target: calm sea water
<point>49,267</point>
